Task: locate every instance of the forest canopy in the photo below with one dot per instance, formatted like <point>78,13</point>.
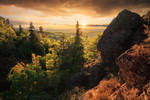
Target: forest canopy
<point>35,64</point>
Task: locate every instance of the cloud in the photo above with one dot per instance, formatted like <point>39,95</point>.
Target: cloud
<point>96,25</point>
<point>86,7</point>
<point>114,6</point>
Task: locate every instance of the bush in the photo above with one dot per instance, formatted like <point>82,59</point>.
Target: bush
<point>74,94</point>
<point>26,81</point>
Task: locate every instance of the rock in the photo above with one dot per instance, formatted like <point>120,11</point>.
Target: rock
<point>113,90</point>
<point>148,13</point>
<point>134,61</point>
<point>147,18</point>
<point>126,93</point>
<point>134,65</point>
<point>102,91</point>
<point>124,31</point>
<point>89,76</point>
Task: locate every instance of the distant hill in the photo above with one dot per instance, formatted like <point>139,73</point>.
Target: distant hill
<point>85,32</point>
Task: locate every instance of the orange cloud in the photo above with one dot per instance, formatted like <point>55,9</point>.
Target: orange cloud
<point>86,7</point>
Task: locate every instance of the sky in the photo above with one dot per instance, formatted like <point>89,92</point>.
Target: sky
<point>63,14</point>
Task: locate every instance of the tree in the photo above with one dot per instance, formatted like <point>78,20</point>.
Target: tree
<point>72,56</point>
<point>77,37</point>
<point>7,22</point>
<point>20,29</point>
<point>78,50</point>
<point>62,41</point>
<point>31,28</point>
<point>41,29</point>
<point>36,46</point>
<point>32,32</point>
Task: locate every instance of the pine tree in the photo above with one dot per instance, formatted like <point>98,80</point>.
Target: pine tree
<point>7,22</point>
<point>77,37</point>
<point>20,29</point>
<point>41,29</point>
<point>78,48</point>
<point>72,55</point>
<point>31,28</point>
<point>32,33</point>
<point>35,41</point>
<point>62,41</point>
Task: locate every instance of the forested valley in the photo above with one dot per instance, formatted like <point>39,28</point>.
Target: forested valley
<point>34,65</point>
<point>40,65</point>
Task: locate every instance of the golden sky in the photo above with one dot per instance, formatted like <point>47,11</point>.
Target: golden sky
<point>64,13</point>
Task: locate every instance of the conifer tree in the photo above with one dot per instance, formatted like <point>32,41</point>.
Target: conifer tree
<point>78,58</point>
<point>35,41</point>
<point>20,29</point>
<point>32,33</point>
<point>7,22</point>
<point>62,41</point>
<point>41,29</point>
<point>72,56</point>
<point>31,27</point>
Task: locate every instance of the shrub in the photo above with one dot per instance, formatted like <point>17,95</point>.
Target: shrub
<point>74,94</point>
<point>26,81</point>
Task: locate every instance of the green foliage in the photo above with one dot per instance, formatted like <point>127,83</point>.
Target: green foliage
<point>72,57</point>
<point>23,33</point>
<point>90,48</point>
<point>52,59</point>
<point>73,54</point>
<point>30,80</point>
<point>74,94</point>
<point>49,74</point>
<point>6,31</point>
<point>26,80</point>
<point>16,46</point>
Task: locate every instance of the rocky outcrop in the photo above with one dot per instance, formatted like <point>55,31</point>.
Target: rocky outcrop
<point>89,76</point>
<point>134,72</point>
<point>124,31</point>
<point>102,91</point>
<point>135,64</point>
<point>133,61</point>
<point>134,78</point>
<point>112,90</point>
<point>147,18</point>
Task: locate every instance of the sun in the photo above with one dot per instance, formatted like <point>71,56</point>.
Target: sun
<point>83,24</point>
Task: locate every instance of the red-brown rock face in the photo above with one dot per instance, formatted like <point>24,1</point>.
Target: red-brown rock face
<point>134,64</point>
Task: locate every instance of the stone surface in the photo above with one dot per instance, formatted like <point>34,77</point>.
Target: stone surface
<point>102,91</point>
<point>89,76</point>
<point>123,32</point>
<point>133,61</point>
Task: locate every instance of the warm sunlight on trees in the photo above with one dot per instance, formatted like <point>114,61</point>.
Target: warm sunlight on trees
<point>41,66</point>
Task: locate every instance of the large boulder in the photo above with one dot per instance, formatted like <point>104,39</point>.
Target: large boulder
<point>124,31</point>
<point>134,73</point>
<point>134,64</point>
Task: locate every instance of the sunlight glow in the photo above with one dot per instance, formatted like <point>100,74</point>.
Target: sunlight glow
<point>83,24</point>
